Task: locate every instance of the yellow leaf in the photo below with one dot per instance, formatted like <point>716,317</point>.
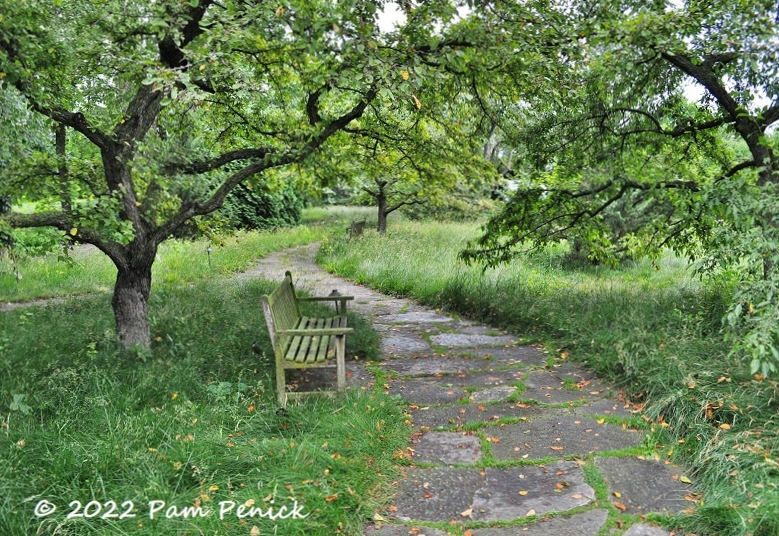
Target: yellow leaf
<point>202,67</point>
<point>404,74</point>
<point>377,517</point>
<point>255,531</point>
<point>601,421</point>
<point>618,495</point>
<point>523,493</point>
<point>213,488</point>
<point>249,503</point>
<point>724,426</point>
<point>416,101</point>
<point>174,396</point>
<point>74,231</point>
<point>530,513</point>
<point>685,479</point>
<point>466,513</point>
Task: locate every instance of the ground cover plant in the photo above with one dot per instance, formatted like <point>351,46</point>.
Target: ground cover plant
<point>652,328</point>
<point>185,438</point>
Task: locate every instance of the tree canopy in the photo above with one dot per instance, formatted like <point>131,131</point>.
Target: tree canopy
<point>151,100</point>
<point>138,117</point>
<point>622,163</point>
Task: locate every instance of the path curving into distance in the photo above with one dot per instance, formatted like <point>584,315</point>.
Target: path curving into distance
<point>502,434</point>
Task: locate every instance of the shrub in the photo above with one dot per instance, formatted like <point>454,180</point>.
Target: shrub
<point>256,208</point>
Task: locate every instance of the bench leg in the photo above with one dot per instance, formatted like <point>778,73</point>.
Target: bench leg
<point>281,381</point>
<point>340,360</point>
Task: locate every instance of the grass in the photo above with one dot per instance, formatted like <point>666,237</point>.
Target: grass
<point>88,271</point>
<point>188,430</point>
<point>652,328</point>
<point>339,215</point>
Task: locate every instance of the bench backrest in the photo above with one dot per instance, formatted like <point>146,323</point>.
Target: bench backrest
<point>281,308</point>
<point>356,228</point>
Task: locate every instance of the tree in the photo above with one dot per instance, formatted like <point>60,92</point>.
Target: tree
<point>401,159</point>
<point>150,100</point>
<point>620,129</point>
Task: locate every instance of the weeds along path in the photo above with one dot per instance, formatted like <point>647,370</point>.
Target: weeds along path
<point>501,433</point>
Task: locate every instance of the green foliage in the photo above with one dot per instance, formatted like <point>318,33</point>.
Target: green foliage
<point>619,164</point>
<point>743,255</point>
<point>37,242</point>
<point>251,208</point>
<point>161,109</point>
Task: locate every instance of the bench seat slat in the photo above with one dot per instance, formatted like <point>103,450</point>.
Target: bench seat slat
<point>294,342</point>
<point>324,343</point>
<point>311,342</point>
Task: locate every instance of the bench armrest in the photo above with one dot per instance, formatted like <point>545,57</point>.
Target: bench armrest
<point>314,332</point>
<point>326,298</point>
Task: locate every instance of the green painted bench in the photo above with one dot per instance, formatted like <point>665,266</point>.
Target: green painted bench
<point>301,342</point>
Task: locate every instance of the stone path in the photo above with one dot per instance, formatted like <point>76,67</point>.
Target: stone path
<point>504,435</point>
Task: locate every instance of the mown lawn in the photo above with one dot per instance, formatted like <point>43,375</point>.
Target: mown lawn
<point>652,328</point>
<point>186,439</point>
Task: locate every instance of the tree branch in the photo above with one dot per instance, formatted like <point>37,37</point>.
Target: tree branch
<point>58,220</point>
<point>216,163</point>
<point>189,210</point>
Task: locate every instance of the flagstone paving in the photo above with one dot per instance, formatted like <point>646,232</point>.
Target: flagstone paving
<point>505,440</point>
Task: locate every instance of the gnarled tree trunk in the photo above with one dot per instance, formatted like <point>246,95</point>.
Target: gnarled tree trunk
<point>131,298</point>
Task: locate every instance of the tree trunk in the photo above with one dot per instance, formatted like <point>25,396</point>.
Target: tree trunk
<point>381,200</point>
<point>131,299</point>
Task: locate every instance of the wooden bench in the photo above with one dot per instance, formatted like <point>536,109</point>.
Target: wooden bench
<point>301,342</point>
<point>356,228</point>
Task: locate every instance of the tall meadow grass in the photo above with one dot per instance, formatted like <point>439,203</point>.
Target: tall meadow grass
<point>652,328</point>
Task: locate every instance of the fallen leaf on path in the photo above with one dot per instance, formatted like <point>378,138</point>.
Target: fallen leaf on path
<point>619,506</point>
